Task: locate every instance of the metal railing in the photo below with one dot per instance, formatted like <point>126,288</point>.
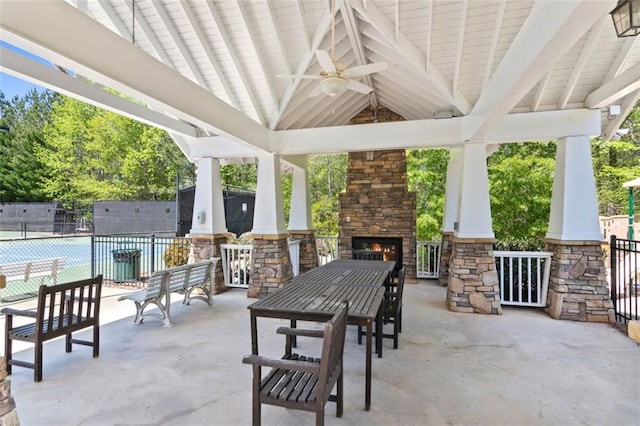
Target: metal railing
<point>236,264</point>
<point>625,282</point>
<point>328,249</point>
<point>523,277</point>
<point>428,259</point>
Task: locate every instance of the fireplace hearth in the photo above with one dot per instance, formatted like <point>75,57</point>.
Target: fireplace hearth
<point>391,248</point>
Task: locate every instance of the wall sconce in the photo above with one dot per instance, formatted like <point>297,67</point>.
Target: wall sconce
<point>626,18</point>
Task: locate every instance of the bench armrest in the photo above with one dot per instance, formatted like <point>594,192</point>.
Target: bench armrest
<point>300,332</point>
<point>286,364</point>
<point>19,312</point>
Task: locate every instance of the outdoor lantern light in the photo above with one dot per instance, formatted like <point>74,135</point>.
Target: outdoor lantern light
<point>626,18</point>
<point>333,86</point>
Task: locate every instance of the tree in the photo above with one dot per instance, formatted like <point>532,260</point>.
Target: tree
<point>21,172</point>
<point>327,178</point>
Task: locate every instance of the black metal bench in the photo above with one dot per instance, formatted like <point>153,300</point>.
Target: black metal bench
<point>302,382</point>
<point>62,310</point>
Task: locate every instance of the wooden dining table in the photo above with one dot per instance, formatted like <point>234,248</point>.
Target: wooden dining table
<point>317,295</point>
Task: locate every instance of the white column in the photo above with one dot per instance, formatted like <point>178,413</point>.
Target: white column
<point>474,206</point>
<point>268,217</point>
<point>208,205</point>
<point>300,210</point>
<point>574,203</point>
<point>452,190</point>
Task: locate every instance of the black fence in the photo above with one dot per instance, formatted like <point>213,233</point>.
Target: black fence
<point>625,283</point>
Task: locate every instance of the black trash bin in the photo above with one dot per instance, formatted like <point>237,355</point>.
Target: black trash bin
<point>126,265</point>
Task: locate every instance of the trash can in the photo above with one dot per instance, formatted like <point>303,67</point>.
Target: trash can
<point>126,265</point>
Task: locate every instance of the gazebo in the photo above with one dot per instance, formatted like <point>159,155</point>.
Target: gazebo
<point>275,82</point>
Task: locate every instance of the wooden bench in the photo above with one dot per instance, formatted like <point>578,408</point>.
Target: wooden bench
<point>41,268</point>
<point>302,382</point>
<point>192,280</point>
<point>61,310</point>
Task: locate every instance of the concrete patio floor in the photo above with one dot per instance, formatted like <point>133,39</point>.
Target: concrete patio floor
<point>520,368</point>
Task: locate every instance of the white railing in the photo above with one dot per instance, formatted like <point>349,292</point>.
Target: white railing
<point>428,259</point>
<point>327,248</point>
<point>523,277</point>
<point>294,256</point>
<point>236,264</point>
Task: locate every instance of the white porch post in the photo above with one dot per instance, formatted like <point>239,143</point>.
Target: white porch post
<point>574,203</point>
<point>578,288</point>
<point>473,281</point>
<point>300,223</point>
<point>271,265</point>
<point>451,198</point>
<point>208,206</point>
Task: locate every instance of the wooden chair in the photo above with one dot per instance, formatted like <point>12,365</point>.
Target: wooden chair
<point>366,255</point>
<point>302,382</point>
<point>392,309</point>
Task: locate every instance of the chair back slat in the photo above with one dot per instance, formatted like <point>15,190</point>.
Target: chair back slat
<point>332,351</point>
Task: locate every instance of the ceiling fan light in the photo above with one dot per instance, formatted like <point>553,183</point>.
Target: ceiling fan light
<point>333,86</point>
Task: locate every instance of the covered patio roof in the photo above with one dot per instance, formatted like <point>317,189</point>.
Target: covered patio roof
<point>521,367</point>
<point>211,73</point>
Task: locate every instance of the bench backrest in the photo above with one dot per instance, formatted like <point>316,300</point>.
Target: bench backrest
<point>33,268</point>
<point>68,307</point>
<point>200,273</point>
<point>154,283</point>
<point>332,352</point>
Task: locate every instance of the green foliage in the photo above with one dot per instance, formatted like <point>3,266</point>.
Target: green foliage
<point>615,162</point>
<point>176,254</point>
<point>327,178</point>
<point>240,175</point>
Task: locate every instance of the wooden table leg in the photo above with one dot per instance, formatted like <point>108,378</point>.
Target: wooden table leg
<point>379,331</point>
<point>367,391</point>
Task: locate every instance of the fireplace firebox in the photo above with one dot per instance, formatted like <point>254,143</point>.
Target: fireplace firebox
<point>391,248</point>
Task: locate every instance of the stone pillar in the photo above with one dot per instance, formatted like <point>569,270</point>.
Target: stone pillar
<point>308,251</point>
<point>578,287</point>
<point>473,279</point>
<point>446,247</point>
<point>204,247</point>
<point>8,411</point>
<point>271,267</point>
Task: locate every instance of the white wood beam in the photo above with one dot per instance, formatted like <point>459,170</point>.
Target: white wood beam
<point>429,31</point>
<point>20,66</point>
<point>542,86</point>
<point>141,22</point>
<point>578,67</point>
<point>413,55</point>
<point>626,52</point>
<point>231,50</point>
<point>445,133</point>
<point>284,59</point>
<point>60,33</point>
<point>564,23</point>
<point>114,18</point>
<point>462,25</point>
<point>627,106</point>
<point>204,45</point>
<point>619,87</point>
<point>305,27</point>
<point>495,36</point>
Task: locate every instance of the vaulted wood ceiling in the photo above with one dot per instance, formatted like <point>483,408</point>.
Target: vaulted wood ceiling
<point>203,68</point>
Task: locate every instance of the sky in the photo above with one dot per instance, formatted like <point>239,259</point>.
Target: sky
<point>12,86</point>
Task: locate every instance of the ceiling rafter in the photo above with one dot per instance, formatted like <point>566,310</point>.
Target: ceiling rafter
<point>427,57</point>
<point>284,59</point>
<point>303,21</point>
<point>615,89</point>
<point>495,36</point>
<point>585,54</point>
<point>114,18</point>
<point>323,114</point>
<point>351,25</point>
<point>204,45</point>
<point>149,34</point>
<point>623,56</point>
<point>542,86</point>
<point>231,51</point>
<point>323,26</point>
<point>459,45</point>
<point>242,8</point>
<point>412,54</point>
<point>179,43</point>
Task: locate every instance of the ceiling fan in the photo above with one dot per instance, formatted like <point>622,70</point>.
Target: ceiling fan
<point>334,78</point>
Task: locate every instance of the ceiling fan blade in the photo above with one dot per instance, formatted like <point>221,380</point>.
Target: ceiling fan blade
<point>325,61</point>
<point>358,87</point>
<point>302,77</point>
<point>366,69</point>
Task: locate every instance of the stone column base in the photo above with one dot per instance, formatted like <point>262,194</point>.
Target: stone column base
<point>446,246</point>
<point>578,288</point>
<point>8,411</point>
<point>271,267</point>
<point>473,280</point>
<point>308,251</point>
<point>204,247</point>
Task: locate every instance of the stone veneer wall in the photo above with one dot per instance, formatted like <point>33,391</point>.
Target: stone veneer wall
<point>308,251</point>
<point>271,267</point>
<point>204,247</point>
<point>578,287</point>
<point>377,203</point>
<point>8,411</point>
<point>445,255</point>
<point>473,279</point>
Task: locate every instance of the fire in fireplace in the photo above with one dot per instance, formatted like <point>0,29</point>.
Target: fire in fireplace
<point>391,248</point>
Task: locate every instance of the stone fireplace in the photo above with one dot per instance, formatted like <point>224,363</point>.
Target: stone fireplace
<point>377,206</point>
